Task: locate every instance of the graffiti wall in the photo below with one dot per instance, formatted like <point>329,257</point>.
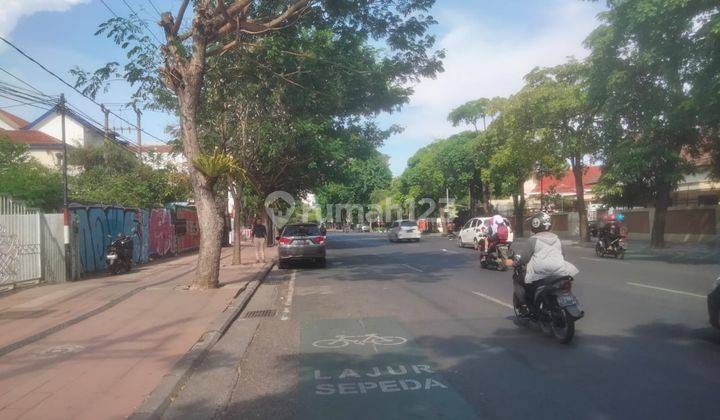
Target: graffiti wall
<point>186,229</point>
<point>162,233</point>
<point>97,227</point>
<point>156,232</point>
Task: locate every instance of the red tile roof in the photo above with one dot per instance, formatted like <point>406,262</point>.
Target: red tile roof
<point>13,119</point>
<point>566,184</point>
<point>30,137</point>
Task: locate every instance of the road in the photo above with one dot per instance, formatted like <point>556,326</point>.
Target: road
<point>644,349</point>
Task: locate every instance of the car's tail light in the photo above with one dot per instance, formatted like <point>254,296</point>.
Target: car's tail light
<point>285,241</point>
<point>319,240</point>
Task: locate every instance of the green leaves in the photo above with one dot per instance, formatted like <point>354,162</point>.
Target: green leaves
<point>216,165</point>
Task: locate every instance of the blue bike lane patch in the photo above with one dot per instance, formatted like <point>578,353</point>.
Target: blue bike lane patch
<point>371,368</point>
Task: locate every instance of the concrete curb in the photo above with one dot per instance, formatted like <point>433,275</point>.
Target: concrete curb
<point>160,398</point>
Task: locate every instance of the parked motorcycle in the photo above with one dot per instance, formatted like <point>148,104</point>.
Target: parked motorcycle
<point>497,258</point>
<point>616,247</point>
<point>119,254</point>
<point>552,305</point>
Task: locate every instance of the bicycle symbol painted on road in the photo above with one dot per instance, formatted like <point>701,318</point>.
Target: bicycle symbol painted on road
<point>360,340</point>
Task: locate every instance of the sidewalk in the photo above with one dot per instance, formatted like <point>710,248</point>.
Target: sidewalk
<point>96,348</point>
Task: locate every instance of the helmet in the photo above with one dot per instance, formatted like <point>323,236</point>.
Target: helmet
<point>620,217</point>
<point>540,222</point>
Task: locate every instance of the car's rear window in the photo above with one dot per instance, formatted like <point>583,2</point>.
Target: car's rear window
<point>310,230</point>
<point>406,223</point>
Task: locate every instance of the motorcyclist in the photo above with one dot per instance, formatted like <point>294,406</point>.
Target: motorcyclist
<point>610,231</point>
<point>493,235</point>
<point>543,256</point>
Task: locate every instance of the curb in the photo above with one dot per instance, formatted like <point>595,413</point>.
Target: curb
<point>160,398</point>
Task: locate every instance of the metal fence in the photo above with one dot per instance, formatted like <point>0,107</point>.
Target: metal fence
<point>31,245</point>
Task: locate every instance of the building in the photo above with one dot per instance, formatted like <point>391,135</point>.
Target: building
<point>79,132</point>
<point>161,155</point>
<point>563,187</point>
<point>44,148</point>
<point>9,121</point>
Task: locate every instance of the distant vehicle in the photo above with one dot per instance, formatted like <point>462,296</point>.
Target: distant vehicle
<point>404,230</point>
<point>470,233</point>
<point>713,301</point>
<point>476,228</point>
<point>364,227</point>
<point>301,242</point>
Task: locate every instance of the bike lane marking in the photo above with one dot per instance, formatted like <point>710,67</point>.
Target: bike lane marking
<point>371,368</point>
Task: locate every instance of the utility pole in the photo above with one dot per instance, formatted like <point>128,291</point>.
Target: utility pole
<point>107,121</point>
<point>139,129</point>
<point>66,210</point>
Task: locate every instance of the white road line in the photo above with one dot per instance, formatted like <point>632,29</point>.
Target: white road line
<point>679,292</point>
<point>449,252</point>
<point>413,268</point>
<point>288,299</point>
<point>492,299</point>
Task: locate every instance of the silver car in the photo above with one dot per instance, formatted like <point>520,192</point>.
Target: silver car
<point>301,242</point>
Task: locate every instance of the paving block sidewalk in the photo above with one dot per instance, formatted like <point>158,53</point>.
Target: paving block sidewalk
<point>96,348</point>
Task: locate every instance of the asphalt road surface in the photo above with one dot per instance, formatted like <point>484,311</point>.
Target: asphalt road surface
<point>418,330</point>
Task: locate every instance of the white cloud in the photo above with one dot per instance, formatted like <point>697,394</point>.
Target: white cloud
<point>12,10</point>
<point>486,59</point>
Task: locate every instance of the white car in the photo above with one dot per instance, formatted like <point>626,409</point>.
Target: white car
<point>404,230</point>
<point>364,228</point>
<point>476,228</point>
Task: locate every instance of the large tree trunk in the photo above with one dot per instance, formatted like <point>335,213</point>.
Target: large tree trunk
<point>486,197</point>
<point>210,217</point>
<point>473,199</point>
<point>662,202</point>
<point>577,168</point>
<point>237,227</point>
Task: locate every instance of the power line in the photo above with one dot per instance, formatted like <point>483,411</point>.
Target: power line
<point>142,22</point>
<point>155,7</point>
<point>24,54</point>
<point>20,80</point>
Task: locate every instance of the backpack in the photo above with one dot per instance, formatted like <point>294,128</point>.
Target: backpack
<point>502,233</point>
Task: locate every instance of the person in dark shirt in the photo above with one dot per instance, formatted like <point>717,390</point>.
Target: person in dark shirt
<point>259,235</point>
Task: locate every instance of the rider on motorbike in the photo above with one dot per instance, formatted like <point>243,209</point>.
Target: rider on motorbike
<point>611,231</point>
<point>543,256</point>
<point>497,233</point>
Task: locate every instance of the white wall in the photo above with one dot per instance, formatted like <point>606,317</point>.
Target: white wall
<point>46,157</point>
<point>74,131</point>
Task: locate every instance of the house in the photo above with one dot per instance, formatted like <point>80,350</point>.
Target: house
<point>9,121</point>
<point>563,186</point>
<point>161,155</point>
<point>79,132</point>
<point>44,148</point>
<point>697,188</point>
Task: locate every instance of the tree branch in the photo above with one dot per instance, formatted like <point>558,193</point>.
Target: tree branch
<point>181,13</point>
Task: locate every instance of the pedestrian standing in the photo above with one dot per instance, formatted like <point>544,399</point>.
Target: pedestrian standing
<point>259,235</point>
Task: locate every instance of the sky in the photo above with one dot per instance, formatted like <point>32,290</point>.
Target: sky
<point>490,45</point>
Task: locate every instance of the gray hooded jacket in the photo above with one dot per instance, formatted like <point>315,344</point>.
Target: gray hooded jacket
<point>544,258</point>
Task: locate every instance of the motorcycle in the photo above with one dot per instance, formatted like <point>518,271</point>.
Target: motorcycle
<point>616,247</point>
<point>119,254</point>
<point>552,305</point>
<point>497,259</point>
